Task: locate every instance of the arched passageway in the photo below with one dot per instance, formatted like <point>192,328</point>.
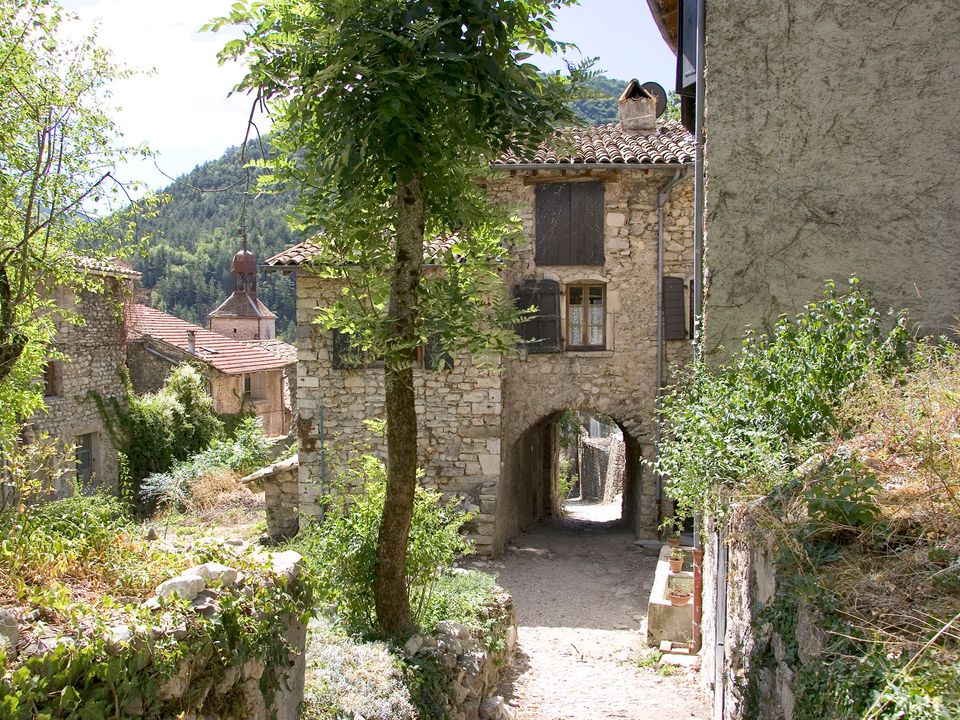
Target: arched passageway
<point>581,455</point>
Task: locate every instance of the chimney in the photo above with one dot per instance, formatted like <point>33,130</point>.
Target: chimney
<point>192,342</point>
<point>638,110</point>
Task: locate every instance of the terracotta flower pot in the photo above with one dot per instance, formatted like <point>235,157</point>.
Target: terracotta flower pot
<point>673,541</point>
<point>676,565</point>
<point>678,600</point>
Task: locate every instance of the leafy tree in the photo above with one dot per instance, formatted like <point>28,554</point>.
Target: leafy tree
<point>57,150</point>
<point>385,110</point>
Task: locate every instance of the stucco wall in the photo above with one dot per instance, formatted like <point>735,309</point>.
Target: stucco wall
<point>96,354</point>
<point>831,150</point>
<point>620,381</point>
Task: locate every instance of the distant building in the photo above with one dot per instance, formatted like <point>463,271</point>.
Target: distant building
<point>95,355</point>
<point>242,376</point>
<point>242,316</point>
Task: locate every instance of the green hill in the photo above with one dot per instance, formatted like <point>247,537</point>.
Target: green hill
<point>187,267</point>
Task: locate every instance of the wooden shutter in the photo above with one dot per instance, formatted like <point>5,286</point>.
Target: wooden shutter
<point>435,357</point>
<point>586,222</point>
<point>553,242</point>
<point>540,333</point>
<point>569,224</point>
<point>674,317</point>
<point>345,354</point>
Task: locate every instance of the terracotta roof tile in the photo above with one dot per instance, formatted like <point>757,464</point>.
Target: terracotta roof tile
<point>104,266</point>
<point>611,144</point>
<point>227,355</point>
<point>242,305</point>
<point>285,351</point>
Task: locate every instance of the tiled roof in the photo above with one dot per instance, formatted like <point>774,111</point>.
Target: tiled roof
<point>104,266</point>
<point>301,253</point>
<point>285,351</point>
<point>227,355</point>
<point>610,144</point>
<point>242,305</point>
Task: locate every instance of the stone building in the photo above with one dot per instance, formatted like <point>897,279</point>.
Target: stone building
<point>242,316</point>
<point>95,353</point>
<point>596,207</point>
<point>242,376</point>
<point>830,151</point>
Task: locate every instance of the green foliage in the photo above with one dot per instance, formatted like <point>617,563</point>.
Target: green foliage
<point>739,428</point>
<point>58,147</point>
<point>843,493</point>
<point>566,479</point>
<point>97,678</point>
<point>343,548</point>
<point>246,451</point>
<point>156,429</point>
<point>85,539</point>
<point>431,685</point>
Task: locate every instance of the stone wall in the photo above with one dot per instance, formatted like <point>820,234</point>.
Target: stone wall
<point>487,434</point>
<point>477,669</point>
<point>619,382</point>
<point>750,584</point>
<point>602,465</point>
<point>96,355</point>
<point>281,490</point>
<point>831,151</point>
<point>458,411</point>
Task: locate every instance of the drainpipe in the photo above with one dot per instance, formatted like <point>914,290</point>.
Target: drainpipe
<point>697,600</point>
<point>698,190</point>
<point>662,196</point>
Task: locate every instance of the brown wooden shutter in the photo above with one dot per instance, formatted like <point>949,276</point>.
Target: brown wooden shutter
<point>435,357</point>
<point>586,222</point>
<point>346,355</point>
<point>553,242</point>
<point>674,317</point>
<point>541,333</point>
<point>569,221</point>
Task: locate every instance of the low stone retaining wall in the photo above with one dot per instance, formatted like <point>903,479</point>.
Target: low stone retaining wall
<point>213,643</point>
<point>281,490</point>
<point>476,669</point>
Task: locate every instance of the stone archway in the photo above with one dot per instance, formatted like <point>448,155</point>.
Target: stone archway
<point>528,485</point>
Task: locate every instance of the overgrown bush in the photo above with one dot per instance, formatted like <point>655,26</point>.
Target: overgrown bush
<point>84,541</point>
<point>740,428</point>
<point>154,430</point>
<point>343,548</point>
<point>246,451</point>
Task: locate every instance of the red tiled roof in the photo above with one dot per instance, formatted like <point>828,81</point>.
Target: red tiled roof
<point>610,144</point>
<point>302,253</point>
<point>242,304</point>
<point>227,355</point>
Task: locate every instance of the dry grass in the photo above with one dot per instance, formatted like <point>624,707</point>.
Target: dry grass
<point>900,578</point>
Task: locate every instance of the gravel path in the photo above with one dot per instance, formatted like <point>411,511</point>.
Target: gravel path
<point>580,588</point>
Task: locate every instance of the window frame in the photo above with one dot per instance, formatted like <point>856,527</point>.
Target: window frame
<point>51,379</point>
<point>585,287</point>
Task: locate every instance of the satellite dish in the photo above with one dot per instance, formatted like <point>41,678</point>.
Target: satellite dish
<point>656,90</point>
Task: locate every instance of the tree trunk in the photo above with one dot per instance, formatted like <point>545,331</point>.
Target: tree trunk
<point>390,584</point>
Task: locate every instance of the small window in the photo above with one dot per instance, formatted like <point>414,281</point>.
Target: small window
<point>586,317</point>
<point>51,379</point>
<point>247,387</point>
<point>85,460</point>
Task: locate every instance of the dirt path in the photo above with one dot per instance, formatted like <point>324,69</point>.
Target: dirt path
<point>580,590</point>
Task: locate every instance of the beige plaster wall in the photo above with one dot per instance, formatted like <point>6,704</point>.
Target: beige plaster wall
<point>96,353</point>
<point>244,328</point>
<point>831,151</point>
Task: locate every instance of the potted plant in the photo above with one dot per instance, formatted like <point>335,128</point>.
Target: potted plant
<point>678,596</point>
<point>671,528</point>
<point>677,557</point>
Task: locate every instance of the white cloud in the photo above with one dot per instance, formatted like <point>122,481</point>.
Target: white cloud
<point>178,104</point>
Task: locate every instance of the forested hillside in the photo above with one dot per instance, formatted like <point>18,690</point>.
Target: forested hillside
<point>187,268</point>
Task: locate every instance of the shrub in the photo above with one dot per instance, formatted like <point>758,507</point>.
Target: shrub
<point>247,451</point>
<point>343,548</point>
<point>740,428</point>
<point>154,430</point>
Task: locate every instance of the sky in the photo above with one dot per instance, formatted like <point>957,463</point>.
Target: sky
<point>178,103</point>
